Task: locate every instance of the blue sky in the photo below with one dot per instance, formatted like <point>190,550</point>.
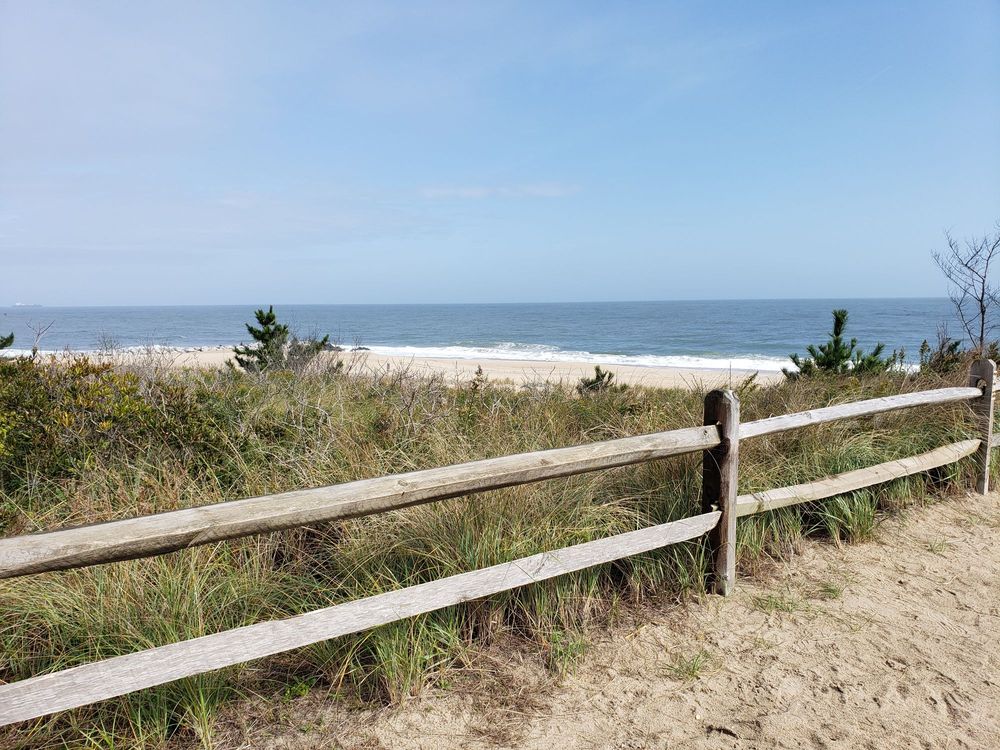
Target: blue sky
<point>251,152</point>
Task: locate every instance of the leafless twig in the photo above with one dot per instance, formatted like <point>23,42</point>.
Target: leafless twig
<point>39,329</point>
<point>967,267</point>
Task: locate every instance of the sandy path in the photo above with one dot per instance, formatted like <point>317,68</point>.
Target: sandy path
<point>889,644</point>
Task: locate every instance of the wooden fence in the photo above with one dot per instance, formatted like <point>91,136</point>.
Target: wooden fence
<point>718,440</point>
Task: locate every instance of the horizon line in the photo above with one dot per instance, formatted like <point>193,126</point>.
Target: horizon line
<point>34,306</point>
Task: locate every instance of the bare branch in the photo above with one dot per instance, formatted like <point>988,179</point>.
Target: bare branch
<point>967,267</point>
<point>39,329</point>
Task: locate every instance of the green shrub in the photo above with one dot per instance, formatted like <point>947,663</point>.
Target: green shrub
<point>948,356</point>
<point>275,348</point>
<point>602,381</point>
<point>85,443</point>
<point>837,356</point>
<point>270,339</point>
<point>54,415</point>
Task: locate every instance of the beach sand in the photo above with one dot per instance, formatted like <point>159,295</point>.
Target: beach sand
<point>517,372</point>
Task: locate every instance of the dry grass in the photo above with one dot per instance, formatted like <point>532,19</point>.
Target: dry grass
<point>251,436</point>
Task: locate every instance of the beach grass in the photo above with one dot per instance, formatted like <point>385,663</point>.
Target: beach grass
<point>103,444</point>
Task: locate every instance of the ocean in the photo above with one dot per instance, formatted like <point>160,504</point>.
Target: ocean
<point>742,334</point>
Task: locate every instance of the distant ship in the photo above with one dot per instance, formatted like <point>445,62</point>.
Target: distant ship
<point>26,304</point>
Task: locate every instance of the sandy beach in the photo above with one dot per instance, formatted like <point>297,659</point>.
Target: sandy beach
<point>517,372</point>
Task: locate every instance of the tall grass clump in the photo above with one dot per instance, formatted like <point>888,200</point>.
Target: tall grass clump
<point>82,442</point>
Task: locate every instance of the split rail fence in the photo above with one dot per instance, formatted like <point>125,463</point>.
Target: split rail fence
<point>718,439</point>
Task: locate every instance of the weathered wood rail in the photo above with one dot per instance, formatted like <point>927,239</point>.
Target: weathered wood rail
<point>718,440</point>
<point>179,529</point>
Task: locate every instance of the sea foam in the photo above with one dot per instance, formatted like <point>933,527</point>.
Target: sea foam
<point>543,353</point>
<point>513,351</point>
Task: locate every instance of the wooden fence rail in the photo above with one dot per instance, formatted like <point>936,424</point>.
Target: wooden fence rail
<point>100,680</point>
<point>867,408</point>
<point>850,481</point>
<point>166,532</point>
<point>179,529</point>
<point>718,440</point>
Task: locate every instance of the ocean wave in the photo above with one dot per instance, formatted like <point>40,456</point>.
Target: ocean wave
<point>546,353</point>
<point>137,350</point>
<point>507,350</point>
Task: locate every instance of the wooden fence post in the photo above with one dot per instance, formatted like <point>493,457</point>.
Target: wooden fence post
<point>981,375</point>
<point>718,486</point>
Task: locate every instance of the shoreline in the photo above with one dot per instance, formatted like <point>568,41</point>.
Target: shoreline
<point>516,371</point>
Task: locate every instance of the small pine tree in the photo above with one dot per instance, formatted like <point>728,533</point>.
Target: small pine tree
<point>275,348</point>
<point>603,380</point>
<point>478,381</point>
<point>838,356</point>
<point>270,338</point>
<point>6,341</point>
<point>874,363</point>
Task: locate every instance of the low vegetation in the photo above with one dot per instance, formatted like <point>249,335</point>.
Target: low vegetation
<point>946,357</point>
<point>603,380</point>
<point>689,667</point>
<point>839,356</point>
<point>82,442</point>
<point>275,347</point>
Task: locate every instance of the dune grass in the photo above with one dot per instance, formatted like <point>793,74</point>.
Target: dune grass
<point>119,444</point>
